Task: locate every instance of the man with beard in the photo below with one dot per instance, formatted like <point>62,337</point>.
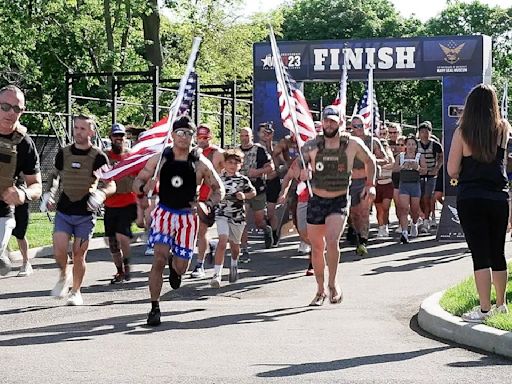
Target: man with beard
<point>216,156</point>
<point>77,167</point>
<point>331,157</point>
<point>120,209</point>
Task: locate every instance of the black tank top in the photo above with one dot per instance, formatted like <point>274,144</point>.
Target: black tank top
<point>483,180</point>
<point>177,181</point>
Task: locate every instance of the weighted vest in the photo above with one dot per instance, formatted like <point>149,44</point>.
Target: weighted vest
<point>250,159</point>
<point>358,164</point>
<point>429,155</point>
<point>123,185</point>
<point>8,156</point>
<point>409,175</point>
<point>331,166</point>
<point>77,173</point>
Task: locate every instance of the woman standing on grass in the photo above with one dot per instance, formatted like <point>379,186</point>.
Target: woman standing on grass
<point>478,160</point>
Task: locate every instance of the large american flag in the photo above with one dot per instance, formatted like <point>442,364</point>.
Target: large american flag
<point>371,118</point>
<point>153,140</point>
<point>293,107</point>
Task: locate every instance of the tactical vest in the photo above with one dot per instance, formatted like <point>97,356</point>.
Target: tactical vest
<point>8,156</point>
<point>331,166</point>
<point>358,164</point>
<point>250,159</point>
<point>123,185</point>
<point>409,175</point>
<point>429,155</point>
<point>77,173</point>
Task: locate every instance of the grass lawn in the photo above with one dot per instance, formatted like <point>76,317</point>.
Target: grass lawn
<point>463,297</point>
<point>40,230</point>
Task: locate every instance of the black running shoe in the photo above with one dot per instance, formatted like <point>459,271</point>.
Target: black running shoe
<point>118,278</point>
<point>154,317</point>
<point>174,278</point>
<point>269,239</point>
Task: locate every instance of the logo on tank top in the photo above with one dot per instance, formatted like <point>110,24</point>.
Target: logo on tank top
<point>176,181</point>
<point>76,165</point>
<point>319,166</point>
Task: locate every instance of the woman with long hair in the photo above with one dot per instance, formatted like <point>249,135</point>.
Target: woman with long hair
<point>409,163</point>
<point>478,161</point>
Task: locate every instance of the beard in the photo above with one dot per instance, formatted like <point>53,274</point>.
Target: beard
<point>330,134</point>
<point>117,149</point>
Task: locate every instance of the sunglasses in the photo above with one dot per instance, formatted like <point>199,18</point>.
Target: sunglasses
<point>358,126</point>
<point>392,132</point>
<point>6,107</point>
<point>184,133</point>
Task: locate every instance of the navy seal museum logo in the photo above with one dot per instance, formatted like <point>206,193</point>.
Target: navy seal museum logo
<point>452,55</point>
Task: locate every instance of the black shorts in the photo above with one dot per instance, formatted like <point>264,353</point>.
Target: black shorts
<point>119,220</point>
<point>273,189</point>
<point>21,217</point>
<point>319,208</point>
<point>395,177</point>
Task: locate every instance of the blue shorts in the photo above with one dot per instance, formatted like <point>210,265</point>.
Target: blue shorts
<point>410,189</point>
<point>81,227</point>
<point>428,184</point>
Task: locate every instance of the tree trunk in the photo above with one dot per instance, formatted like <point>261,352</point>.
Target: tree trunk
<point>152,44</point>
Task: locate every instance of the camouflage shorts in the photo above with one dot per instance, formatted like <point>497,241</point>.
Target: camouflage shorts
<point>319,208</point>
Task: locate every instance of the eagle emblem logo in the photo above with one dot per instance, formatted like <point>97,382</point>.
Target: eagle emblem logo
<point>455,214</point>
<point>452,51</point>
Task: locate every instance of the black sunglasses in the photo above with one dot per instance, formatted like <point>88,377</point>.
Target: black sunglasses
<point>359,126</point>
<point>6,107</point>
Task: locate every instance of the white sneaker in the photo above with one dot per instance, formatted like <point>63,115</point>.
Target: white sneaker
<point>149,251</point>
<point>427,224</point>
<point>502,309</point>
<point>398,229</point>
<point>25,270</point>
<point>304,248</point>
<point>198,272</point>
<point>383,231</point>
<point>75,298</point>
<point>475,315</point>
<point>5,265</point>
<point>215,281</point>
<point>414,230</point>
<point>62,287</point>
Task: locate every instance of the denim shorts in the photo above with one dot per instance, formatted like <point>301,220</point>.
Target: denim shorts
<point>81,227</point>
<point>411,189</point>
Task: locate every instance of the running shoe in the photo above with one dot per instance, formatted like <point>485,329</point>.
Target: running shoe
<point>502,309</point>
<point>275,238</point>
<point>414,230</point>
<point>149,251</point>
<point>118,278</point>
<point>233,273</point>
<point>25,270</point>
<point>154,317</point>
<point>215,281</point>
<point>75,299</point>
<point>198,272</point>
<point>5,265</point>
<point>476,315</point>
<point>244,256</point>
<point>361,250</point>
<point>269,239</point>
<point>404,238</point>
<point>304,248</point>
<point>61,289</point>
<point>310,271</point>
<point>174,278</point>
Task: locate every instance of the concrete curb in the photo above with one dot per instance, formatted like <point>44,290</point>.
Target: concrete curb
<point>435,320</point>
<point>94,243</point>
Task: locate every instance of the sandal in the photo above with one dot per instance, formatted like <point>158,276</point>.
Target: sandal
<point>318,300</point>
<point>335,299</point>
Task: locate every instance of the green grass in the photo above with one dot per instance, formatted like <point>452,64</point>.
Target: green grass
<point>40,230</point>
<point>463,297</point>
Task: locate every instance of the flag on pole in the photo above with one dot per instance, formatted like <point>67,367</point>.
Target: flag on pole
<point>155,139</point>
<point>294,109</point>
<point>341,98</point>
<point>504,103</point>
<point>368,107</point>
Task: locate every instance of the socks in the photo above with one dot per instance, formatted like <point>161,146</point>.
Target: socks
<point>155,305</point>
<point>218,269</point>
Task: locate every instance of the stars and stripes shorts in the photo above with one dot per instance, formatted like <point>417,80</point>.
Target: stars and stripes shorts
<point>176,228</point>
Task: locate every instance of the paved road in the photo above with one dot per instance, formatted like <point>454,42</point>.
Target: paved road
<point>257,330</point>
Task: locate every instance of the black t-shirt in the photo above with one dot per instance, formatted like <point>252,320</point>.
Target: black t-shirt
<point>78,207</point>
<point>27,162</point>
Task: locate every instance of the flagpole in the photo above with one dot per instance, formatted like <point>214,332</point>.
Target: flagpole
<point>504,102</point>
<point>370,104</point>
<point>343,90</point>
<point>279,74</point>
<point>175,106</point>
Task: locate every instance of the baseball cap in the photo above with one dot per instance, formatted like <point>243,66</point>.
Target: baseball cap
<point>204,130</point>
<point>425,125</point>
<point>267,127</point>
<point>331,112</point>
<point>118,129</point>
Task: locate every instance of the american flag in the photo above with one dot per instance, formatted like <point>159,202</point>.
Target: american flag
<point>341,97</point>
<point>294,109</point>
<point>371,118</point>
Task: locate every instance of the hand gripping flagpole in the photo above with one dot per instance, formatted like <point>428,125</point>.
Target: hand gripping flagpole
<point>276,56</point>
<point>175,106</point>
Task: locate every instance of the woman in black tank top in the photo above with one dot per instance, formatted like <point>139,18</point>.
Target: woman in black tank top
<point>477,160</point>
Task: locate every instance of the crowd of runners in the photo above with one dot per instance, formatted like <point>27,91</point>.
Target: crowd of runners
<point>334,182</point>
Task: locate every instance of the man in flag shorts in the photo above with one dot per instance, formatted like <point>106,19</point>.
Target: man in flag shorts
<point>180,172</point>
<point>331,157</point>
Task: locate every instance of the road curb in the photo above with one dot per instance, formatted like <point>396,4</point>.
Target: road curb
<point>94,243</point>
<point>435,320</point>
